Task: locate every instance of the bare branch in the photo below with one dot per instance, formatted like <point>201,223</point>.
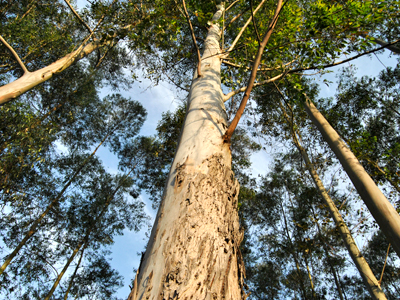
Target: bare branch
<point>228,63</point>
<point>245,26</point>
<point>194,40</point>
<point>254,22</point>
<point>391,47</point>
<point>235,18</point>
<point>242,89</point>
<point>21,64</point>
<point>384,265</point>
<point>230,6</point>
<point>79,18</point>
<point>235,121</point>
<point>345,60</point>
<point>295,71</point>
<point>32,5</point>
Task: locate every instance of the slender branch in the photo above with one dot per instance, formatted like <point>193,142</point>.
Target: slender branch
<point>245,26</point>
<point>254,22</point>
<point>32,5</point>
<point>246,96</point>
<point>230,6</point>
<point>259,69</point>
<point>194,40</point>
<point>21,64</point>
<point>384,265</point>
<point>235,18</point>
<point>242,89</point>
<point>346,60</point>
<point>389,46</point>
<point>79,18</point>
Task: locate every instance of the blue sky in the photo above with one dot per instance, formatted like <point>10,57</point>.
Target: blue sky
<point>161,98</point>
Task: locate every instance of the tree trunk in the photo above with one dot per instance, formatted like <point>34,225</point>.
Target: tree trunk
<point>365,271</point>
<point>381,209</point>
<point>37,222</point>
<point>193,251</point>
<point>60,276</point>
<point>71,281</point>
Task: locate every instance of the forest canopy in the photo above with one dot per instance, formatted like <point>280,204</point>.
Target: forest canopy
<point>320,221</point>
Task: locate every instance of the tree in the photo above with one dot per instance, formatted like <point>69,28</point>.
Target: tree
<point>196,216</point>
<point>69,34</point>
<point>288,112</point>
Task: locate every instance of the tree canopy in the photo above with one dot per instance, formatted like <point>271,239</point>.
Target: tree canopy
<point>65,68</point>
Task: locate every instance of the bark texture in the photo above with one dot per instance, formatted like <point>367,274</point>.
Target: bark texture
<point>193,251</point>
<point>381,209</point>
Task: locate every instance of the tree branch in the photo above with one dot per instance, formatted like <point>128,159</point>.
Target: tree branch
<point>79,18</point>
<point>384,265</point>
<point>242,89</point>
<point>21,64</point>
<point>235,121</point>
<point>32,5</point>
<point>235,18</point>
<point>228,63</point>
<point>194,40</point>
<point>392,48</point>
<point>254,22</point>
<point>230,6</point>
<point>245,26</point>
<point>344,61</point>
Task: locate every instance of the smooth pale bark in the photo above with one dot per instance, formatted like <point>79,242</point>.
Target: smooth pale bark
<point>381,209</point>
<point>365,271</point>
<point>31,79</point>
<point>193,251</point>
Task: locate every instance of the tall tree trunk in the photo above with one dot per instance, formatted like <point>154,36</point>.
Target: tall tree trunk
<point>328,257</point>
<point>294,254</point>
<point>363,267</point>
<point>37,222</point>
<point>381,209</point>
<point>365,271</point>
<point>193,251</point>
<point>71,281</point>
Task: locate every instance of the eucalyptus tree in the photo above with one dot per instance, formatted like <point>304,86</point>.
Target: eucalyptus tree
<point>117,120</point>
<point>285,238</point>
<point>365,112</point>
<point>87,221</point>
<point>30,57</point>
<point>197,222</point>
<point>289,112</point>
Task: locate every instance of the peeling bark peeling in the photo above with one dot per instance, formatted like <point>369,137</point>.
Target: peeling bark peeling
<point>193,251</point>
